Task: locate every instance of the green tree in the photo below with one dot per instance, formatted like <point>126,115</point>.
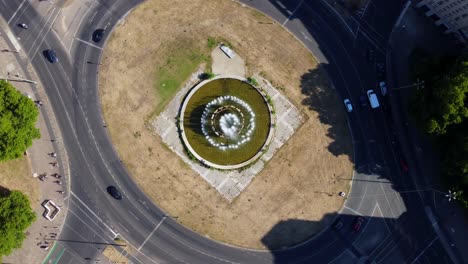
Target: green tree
<point>441,109</point>
<point>18,116</point>
<point>15,216</point>
<point>444,101</point>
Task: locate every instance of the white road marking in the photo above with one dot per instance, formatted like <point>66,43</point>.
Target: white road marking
<point>424,250</point>
<point>14,14</point>
<point>89,43</point>
<point>294,11</point>
<point>134,215</point>
<point>86,224</point>
<point>44,34</point>
<point>152,232</point>
<point>338,14</point>
<point>124,228</point>
<point>352,210</point>
<point>113,232</point>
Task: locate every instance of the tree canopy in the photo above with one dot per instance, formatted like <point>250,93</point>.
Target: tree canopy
<point>441,109</point>
<point>444,100</point>
<point>15,216</point>
<point>18,116</point>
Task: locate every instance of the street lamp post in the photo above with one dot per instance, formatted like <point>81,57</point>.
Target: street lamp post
<point>419,85</point>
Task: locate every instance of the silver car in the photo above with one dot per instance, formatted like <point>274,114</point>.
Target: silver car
<point>348,105</point>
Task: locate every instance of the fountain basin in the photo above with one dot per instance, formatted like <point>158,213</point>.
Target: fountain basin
<point>225,123</point>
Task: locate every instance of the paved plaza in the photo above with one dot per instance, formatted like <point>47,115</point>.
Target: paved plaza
<point>229,183</point>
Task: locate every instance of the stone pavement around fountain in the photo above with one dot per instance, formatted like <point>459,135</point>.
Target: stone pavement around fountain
<point>223,65</point>
<point>229,183</point>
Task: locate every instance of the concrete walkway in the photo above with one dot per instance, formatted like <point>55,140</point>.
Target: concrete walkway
<point>41,235</point>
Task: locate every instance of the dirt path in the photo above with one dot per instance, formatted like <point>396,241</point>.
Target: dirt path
<point>295,195</point>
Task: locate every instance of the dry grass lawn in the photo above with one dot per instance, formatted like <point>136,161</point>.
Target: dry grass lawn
<point>16,175</point>
<point>288,201</point>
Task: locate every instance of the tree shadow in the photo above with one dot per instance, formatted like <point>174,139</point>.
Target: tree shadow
<point>4,192</point>
<point>324,100</point>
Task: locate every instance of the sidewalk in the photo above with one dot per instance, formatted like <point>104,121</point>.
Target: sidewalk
<point>40,236</point>
<point>416,30</point>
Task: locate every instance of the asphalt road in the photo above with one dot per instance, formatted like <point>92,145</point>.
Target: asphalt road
<point>396,229</point>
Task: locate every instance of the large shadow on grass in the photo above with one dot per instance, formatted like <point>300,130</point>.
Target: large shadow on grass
<point>325,102</point>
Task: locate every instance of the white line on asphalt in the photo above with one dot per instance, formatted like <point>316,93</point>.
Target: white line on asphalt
<point>89,43</point>
<point>294,11</point>
<point>402,14</point>
<point>352,210</point>
<point>373,43</point>
<point>114,233</point>
<point>134,215</point>
<point>424,250</point>
<point>365,8</point>
<point>79,24</point>
<point>338,14</point>
<point>14,14</point>
<point>101,230</point>
<point>124,228</point>
<point>44,34</point>
<point>388,202</point>
<point>152,232</point>
<point>387,251</point>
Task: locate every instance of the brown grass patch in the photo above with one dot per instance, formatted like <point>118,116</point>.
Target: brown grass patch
<point>16,175</point>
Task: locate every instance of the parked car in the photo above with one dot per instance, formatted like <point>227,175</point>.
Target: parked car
<point>51,56</point>
<point>383,88</point>
<point>374,101</point>
<point>363,100</point>
<point>348,105</point>
<point>114,192</point>
<point>357,224</point>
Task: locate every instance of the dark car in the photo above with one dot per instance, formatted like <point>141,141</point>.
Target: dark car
<point>112,190</point>
<point>357,224</point>
<point>51,55</point>
<point>363,100</point>
<point>97,35</point>
<point>404,165</point>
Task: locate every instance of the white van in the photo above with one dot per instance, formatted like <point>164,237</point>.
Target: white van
<point>374,101</point>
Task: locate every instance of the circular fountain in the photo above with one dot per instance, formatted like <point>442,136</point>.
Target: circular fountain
<point>225,123</point>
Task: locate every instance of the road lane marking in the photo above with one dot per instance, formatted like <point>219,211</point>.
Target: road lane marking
<point>294,11</point>
<point>152,232</point>
<point>89,43</point>
<point>134,215</point>
<point>352,210</point>
<point>338,14</point>
<point>44,34</point>
<point>14,14</point>
<point>89,226</point>
<point>114,233</point>
<point>424,250</point>
<point>124,228</point>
